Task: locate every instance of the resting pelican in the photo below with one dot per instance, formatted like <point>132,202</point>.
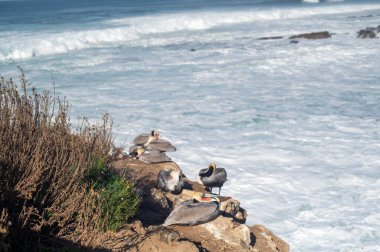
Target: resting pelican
<point>150,156</point>
<point>193,213</point>
<point>116,152</point>
<point>212,177</point>
<point>152,141</point>
<point>170,180</point>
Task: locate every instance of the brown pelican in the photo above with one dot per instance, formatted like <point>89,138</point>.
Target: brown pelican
<point>170,180</point>
<point>193,213</point>
<point>150,156</point>
<point>212,177</point>
<point>116,152</point>
<point>152,141</point>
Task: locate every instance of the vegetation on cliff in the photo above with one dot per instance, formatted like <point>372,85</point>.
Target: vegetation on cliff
<point>54,179</point>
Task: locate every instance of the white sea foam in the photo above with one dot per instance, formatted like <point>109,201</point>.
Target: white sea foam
<point>310,1</point>
<point>140,28</point>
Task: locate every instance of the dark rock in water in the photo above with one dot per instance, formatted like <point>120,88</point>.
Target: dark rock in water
<point>293,41</point>
<point>192,50</point>
<point>312,35</point>
<point>367,33</point>
<point>370,28</point>
<point>378,29</point>
<point>269,38</point>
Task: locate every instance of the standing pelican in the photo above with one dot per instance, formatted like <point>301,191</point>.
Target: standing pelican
<point>212,177</point>
<point>149,156</point>
<point>170,180</point>
<point>152,141</point>
<point>193,213</point>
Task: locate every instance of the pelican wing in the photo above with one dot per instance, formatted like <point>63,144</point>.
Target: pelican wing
<point>161,145</point>
<point>203,172</point>
<point>220,174</point>
<point>216,179</point>
<point>154,157</point>
<point>193,214</point>
<point>141,139</point>
<point>162,180</point>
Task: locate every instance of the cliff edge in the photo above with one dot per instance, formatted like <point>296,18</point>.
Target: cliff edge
<point>228,232</point>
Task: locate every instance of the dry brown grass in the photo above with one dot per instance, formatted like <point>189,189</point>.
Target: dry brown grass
<point>43,163</point>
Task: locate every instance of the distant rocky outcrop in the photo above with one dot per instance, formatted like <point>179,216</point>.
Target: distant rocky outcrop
<point>369,32</point>
<point>228,232</point>
<point>312,35</point>
<point>271,38</point>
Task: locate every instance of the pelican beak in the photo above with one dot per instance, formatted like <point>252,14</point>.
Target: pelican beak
<point>223,198</point>
<point>206,199</point>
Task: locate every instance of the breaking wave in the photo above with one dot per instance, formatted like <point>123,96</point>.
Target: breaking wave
<point>134,28</point>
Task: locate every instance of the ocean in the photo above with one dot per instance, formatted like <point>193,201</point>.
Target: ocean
<point>297,126</point>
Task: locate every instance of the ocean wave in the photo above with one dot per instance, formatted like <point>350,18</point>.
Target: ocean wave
<point>135,28</point>
<point>310,1</point>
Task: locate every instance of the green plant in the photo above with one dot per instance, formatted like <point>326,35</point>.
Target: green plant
<point>119,202</point>
<point>118,198</point>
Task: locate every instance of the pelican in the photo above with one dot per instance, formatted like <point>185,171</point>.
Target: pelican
<point>192,213</point>
<point>212,177</point>
<point>145,139</point>
<point>170,180</point>
<point>152,141</point>
<point>116,152</point>
<point>150,156</point>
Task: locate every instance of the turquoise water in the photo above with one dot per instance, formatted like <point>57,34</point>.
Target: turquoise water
<point>295,125</point>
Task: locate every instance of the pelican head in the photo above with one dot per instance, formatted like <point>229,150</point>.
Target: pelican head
<point>212,166</point>
<point>155,134</point>
<point>206,198</point>
<point>138,152</point>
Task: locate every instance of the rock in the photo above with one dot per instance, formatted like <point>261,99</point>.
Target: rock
<point>266,241</point>
<point>192,50</point>
<point>154,207</point>
<point>369,32</point>
<point>225,229</point>
<point>293,41</point>
<point>144,175</point>
<point>165,240</point>
<point>137,227</point>
<point>270,38</point>
<point>241,215</point>
<point>169,236</point>
<point>312,35</point>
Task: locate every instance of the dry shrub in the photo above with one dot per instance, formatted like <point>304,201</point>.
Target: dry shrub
<point>44,164</point>
<point>4,230</point>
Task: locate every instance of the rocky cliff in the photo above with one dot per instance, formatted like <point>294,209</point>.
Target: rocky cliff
<point>226,233</point>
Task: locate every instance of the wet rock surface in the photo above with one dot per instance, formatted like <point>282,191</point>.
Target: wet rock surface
<point>271,38</point>
<point>369,32</point>
<point>266,241</point>
<point>312,35</point>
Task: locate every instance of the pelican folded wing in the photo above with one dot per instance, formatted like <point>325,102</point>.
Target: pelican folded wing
<point>154,157</point>
<point>141,139</point>
<point>193,214</point>
<point>161,145</point>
